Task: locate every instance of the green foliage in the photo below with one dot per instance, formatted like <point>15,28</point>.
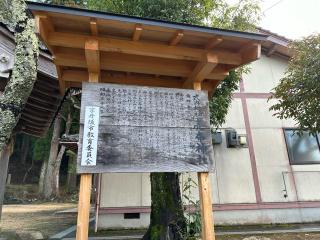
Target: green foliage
<point>299,90</point>
<point>193,216</point>
<point>221,99</point>
<point>243,16</point>
<point>184,11</point>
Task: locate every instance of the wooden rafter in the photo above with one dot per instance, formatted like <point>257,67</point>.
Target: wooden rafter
<point>137,32</point>
<point>213,42</point>
<point>94,27</point>
<point>176,38</point>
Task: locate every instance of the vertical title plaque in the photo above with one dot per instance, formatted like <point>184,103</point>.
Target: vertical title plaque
<point>146,129</point>
<point>90,136</point>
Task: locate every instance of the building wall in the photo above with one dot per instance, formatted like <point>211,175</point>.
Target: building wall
<point>248,183</point>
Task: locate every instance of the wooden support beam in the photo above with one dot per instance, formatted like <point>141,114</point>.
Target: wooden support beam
<point>176,38</point>
<point>43,28</point>
<point>206,206</point>
<point>142,48</point>
<point>94,27</point>
<point>137,32</point>
<point>92,56</point>
<point>205,197</point>
<point>136,64</point>
<point>62,86</point>
<point>86,179</point>
<point>213,42</point>
<point>250,52</point>
<point>203,69</point>
<point>84,207</point>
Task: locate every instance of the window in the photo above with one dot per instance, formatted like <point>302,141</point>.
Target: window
<point>303,149</point>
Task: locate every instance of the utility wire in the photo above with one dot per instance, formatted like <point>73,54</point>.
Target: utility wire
<point>272,6</point>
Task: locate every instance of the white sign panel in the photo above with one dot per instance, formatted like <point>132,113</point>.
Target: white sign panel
<point>90,136</point>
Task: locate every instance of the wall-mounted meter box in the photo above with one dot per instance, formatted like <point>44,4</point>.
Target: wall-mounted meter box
<point>231,138</point>
<point>235,140</point>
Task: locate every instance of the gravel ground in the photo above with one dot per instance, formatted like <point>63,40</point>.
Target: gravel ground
<point>26,219</point>
<point>291,236</point>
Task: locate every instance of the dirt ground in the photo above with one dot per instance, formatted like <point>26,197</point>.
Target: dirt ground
<point>24,219</point>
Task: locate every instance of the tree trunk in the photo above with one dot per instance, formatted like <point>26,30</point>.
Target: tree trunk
<point>4,161</point>
<point>56,171</point>
<point>24,149</point>
<point>50,179</point>
<point>167,221</point>
<point>42,176</point>
<point>72,175</point>
<point>24,72</point>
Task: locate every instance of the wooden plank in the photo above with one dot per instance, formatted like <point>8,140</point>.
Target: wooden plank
<point>176,38</point>
<point>145,129</point>
<point>137,32</point>
<point>84,207</point>
<point>142,48</point>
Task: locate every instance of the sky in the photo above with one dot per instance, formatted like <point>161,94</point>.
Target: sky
<point>293,19</point>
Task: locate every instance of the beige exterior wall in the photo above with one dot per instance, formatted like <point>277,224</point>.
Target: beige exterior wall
<point>232,180</point>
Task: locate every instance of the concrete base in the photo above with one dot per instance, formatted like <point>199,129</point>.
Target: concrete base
<point>234,217</point>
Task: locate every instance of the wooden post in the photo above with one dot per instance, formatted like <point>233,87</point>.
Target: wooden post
<point>205,197</point>
<point>93,62</point>
<point>84,207</point>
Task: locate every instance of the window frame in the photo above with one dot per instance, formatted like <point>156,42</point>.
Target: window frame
<point>288,154</point>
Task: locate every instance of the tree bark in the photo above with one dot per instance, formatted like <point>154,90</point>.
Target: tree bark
<point>50,179</point>
<point>24,72</point>
<point>42,176</point>
<point>72,175</point>
<point>167,221</point>
<point>4,162</point>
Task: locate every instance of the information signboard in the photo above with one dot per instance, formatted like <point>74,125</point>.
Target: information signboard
<point>143,129</point>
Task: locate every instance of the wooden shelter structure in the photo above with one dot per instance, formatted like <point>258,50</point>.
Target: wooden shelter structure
<point>91,46</point>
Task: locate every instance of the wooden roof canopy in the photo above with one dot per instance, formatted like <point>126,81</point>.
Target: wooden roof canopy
<point>138,51</point>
